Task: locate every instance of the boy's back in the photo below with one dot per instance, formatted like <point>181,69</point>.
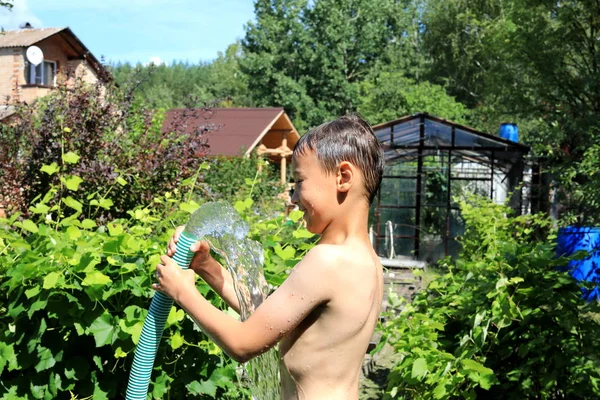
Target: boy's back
<point>323,355</point>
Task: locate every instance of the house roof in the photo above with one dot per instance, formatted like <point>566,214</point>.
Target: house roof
<point>233,131</point>
<point>28,37</point>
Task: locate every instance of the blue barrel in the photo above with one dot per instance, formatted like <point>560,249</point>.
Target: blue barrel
<point>509,131</point>
<point>576,238</point>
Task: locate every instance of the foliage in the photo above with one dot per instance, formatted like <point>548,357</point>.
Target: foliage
<point>310,57</point>
<point>189,85</point>
<point>75,294</point>
<point>387,96</point>
<point>530,62</point>
<point>501,322</point>
<point>100,132</point>
<point>239,178</point>
<point>7,4</point>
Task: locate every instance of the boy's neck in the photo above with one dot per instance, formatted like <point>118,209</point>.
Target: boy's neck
<point>348,223</point>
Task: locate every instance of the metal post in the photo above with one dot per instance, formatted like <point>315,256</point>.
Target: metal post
<point>492,180</point>
<point>419,183</point>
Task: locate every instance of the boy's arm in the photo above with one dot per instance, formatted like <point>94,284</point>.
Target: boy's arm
<point>208,269</point>
<point>306,288</point>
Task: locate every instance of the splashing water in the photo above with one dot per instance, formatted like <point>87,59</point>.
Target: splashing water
<point>221,226</point>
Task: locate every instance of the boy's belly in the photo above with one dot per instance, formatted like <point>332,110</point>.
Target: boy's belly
<point>309,374</point>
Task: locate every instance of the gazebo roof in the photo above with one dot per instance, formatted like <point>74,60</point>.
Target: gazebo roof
<point>422,133</point>
<point>235,131</point>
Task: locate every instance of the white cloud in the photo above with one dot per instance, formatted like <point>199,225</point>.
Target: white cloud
<point>155,60</point>
<point>20,13</point>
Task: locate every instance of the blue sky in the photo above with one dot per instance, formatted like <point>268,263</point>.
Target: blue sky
<point>141,30</point>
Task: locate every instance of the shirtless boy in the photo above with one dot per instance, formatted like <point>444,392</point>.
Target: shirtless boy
<point>324,314</point>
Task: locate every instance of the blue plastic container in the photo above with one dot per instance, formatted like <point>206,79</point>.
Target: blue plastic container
<point>509,131</point>
<point>576,238</point>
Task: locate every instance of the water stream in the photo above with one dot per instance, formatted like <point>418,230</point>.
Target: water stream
<point>220,225</point>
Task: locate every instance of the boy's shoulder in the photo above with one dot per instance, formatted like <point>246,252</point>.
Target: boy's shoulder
<point>330,256</point>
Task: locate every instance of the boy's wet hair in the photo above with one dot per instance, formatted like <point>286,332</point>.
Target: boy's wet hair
<point>351,139</point>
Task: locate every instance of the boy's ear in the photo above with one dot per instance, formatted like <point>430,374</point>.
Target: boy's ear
<point>345,176</point>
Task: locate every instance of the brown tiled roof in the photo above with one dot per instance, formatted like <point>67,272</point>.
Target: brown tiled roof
<point>239,129</point>
<point>26,37</point>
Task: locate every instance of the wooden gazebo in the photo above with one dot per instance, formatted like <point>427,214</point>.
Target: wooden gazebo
<point>240,131</point>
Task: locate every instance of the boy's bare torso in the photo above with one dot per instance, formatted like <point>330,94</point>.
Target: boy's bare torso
<point>322,356</point>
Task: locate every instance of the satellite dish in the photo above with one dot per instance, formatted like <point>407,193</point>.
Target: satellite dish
<point>34,55</point>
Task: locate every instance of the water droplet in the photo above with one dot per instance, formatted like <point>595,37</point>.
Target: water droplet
<point>271,328</point>
<point>302,297</point>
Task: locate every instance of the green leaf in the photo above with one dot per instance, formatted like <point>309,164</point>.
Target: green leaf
<point>127,267</point>
<point>176,341</point>
<point>302,233</point>
<point>7,356</point>
<point>286,253</point>
<point>419,368</point>
<point>189,206</point>
<point>103,329</point>
<point>119,353</point>
<point>73,232</point>
<point>175,316</point>
<point>50,169</point>
<point>70,157</point>
<point>88,224</point>
<point>121,181</point>
<point>95,278</point>
<point>51,280</point>
<point>72,203</point>
<point>160,386</point>
<point>105,203</point>
<point>295,215</point>
<point>46,359</point>
<point>73,182</point>
<point>30,226</point>
<point>115,229</point>
<point>475,366</point>
<point>440,391</point>
<point>34,291</point>
<point>40,208</point>
<point>206,387</point>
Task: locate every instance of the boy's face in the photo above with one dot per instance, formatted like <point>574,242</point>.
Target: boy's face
<point>315,191</point>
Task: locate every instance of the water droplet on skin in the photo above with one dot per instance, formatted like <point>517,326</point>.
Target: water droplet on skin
<point>302,297</point>
<point>293,294</point>
<point>289,320</point>
<point>271,328</point>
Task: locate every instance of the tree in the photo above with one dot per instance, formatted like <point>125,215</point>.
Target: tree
<point>311,57</point>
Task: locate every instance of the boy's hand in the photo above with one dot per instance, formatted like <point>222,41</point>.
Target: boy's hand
<point>172,279</point>
<point>201,248</point>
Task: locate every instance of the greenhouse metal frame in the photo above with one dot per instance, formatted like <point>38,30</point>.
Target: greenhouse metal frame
<point>429,161</point>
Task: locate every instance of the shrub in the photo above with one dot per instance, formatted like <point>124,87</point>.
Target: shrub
<point>117,141</point>
<point>75,293</point>
<point>501,322</point>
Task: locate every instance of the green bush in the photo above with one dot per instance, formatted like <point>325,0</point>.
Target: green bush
<point>118,143</point>
<point>74,296</point>
<point>501,322</point>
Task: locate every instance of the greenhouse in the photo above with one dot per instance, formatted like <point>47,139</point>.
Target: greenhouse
<point>429,163</point>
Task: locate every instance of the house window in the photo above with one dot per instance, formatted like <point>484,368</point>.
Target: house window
<point>43,74</point>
